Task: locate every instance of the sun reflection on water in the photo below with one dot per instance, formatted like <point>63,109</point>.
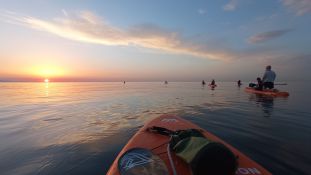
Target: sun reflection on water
<point>47,90</point>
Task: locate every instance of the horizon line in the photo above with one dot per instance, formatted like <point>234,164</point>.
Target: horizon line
<point>137,81</point>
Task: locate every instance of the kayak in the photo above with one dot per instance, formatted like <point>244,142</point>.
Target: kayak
<point>147,152</point>
<point>268,92</point>
<point>212,85</point>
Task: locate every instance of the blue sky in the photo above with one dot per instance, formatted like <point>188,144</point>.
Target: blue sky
<point>155,40</point>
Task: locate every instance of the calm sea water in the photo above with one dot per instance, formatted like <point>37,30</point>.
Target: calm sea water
<point>79,128</point>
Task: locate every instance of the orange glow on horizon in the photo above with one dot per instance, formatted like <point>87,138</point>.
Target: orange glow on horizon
<point>60,72</point>
<point>47,72</point>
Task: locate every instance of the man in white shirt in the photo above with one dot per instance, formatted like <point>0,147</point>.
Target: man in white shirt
<point>268,78</point>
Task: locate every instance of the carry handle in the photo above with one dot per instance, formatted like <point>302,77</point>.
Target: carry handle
<point>160,130</point>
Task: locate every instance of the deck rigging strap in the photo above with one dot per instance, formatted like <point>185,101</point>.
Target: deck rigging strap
<point>202,154</point>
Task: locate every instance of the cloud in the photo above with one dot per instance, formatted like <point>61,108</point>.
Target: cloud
<point>263,37</point>
<point>202,11</point>
<point>231,5</point>
<point>300,7</point>
<point>87,27</point>
<point>65,12</point>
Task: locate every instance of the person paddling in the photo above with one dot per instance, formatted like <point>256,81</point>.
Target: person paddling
<point>203,83</point>
<point>213,83</point>
<point>268,78</point>
<point>239,83</point>
<point>259,85</point>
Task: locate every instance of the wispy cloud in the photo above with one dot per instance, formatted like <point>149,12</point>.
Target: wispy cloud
<point>65,12</point>
<point>202,11</point>
<point>231,5</point>
<point>300,7</point>
<point>87,27</point>
<point>265,36</point>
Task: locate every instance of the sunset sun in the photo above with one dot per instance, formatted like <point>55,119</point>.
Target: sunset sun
<point>46,72</point>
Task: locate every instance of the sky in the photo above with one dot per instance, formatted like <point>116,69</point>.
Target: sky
<point>139,40</point>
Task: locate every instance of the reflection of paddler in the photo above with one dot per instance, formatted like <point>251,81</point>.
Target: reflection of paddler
<point>266,102</point>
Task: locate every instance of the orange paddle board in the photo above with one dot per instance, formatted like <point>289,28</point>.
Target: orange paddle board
<point>268,92</point>
<point>157,144</point>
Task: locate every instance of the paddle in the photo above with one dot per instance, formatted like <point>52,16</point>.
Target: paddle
<point>280,83</point>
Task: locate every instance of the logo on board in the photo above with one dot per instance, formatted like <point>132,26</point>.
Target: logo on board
<point>168,120</point>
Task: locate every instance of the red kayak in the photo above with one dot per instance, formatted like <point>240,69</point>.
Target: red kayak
<point>269,92</point>
<point>212,85</point>
<point>148,151</point>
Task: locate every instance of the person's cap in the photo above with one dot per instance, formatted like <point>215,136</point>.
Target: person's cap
<point>268,67</point>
